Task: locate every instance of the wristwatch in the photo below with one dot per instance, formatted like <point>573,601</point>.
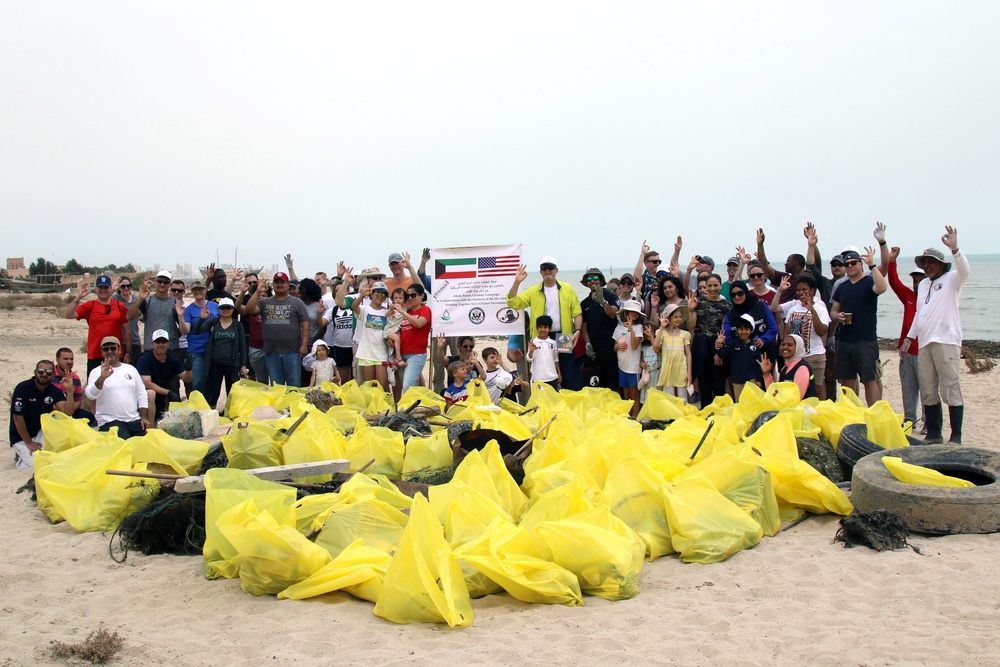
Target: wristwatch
<point>871,267</point>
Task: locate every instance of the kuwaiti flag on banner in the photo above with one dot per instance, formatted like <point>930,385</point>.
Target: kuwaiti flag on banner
<point>469,290</point>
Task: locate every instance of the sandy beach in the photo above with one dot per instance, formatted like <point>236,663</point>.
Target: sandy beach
<point>796,598</point>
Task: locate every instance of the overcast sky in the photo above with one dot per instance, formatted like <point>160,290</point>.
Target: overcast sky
<point>161,132</point>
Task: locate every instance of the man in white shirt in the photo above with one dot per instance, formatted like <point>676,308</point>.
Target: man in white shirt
<point>938,328</point>
<point>119,394</point>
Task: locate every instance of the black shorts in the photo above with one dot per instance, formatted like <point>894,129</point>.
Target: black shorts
<point>343,357</point>
<point>857,359</point>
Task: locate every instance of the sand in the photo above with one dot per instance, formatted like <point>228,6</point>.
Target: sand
<point>794,599</point>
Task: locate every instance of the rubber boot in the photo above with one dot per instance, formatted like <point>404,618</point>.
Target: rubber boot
<point>935,421</point>
<point>955,415</point>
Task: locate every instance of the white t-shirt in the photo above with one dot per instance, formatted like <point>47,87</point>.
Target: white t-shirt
<point>800,321</point>
<point>628,360</point>
<point>552,307</point>
<point>122,396</point>
<point>543,360</point>
<point>496,381</point>
<point>371,322</point>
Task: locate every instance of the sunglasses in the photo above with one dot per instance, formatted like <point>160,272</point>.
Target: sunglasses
<point>162,282</point>
<point>177,290</point>
<point>126,286</point>
<point>852,262</point>
<point>737,293</point>
<point>109,347</point>
<point>44,371</point>
<point>612,289</point>
<point>225,307</point>
<point>547,267</point>
<point>756,275</point>
<point>468,347</point>
<point>412,295</point>
<point>591,278</point>
<point>655,262</point>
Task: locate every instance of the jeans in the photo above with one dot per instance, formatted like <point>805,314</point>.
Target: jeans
<point>199,372</point>
<point>411,372</point>
<point>284,368</point>
<point>259,365</point>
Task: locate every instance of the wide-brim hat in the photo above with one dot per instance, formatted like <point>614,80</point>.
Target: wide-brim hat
<point>631,306</point>
<point>931,253</point>
<point>591,272</point>
<point>372,272</point>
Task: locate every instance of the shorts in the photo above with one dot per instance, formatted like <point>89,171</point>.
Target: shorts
<point>627,379</point>
<point>369,362</point>
<point>343,357</point>
<point>857,359</point>
<point>817,362</point>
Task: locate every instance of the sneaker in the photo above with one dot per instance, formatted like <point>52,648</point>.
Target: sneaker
<point>695,398</point>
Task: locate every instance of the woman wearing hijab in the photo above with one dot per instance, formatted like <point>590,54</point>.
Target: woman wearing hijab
<point>745,302</point>
<point>796,369</point>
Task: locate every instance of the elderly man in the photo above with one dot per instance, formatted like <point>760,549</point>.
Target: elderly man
<point>558,301</point>
<point>285,326</point>
<point>855,309</point>
<point>105,317</point>
<point>118,393</point>
<point>31,399</point>
<point>938,327</point>
<point>600,317</point>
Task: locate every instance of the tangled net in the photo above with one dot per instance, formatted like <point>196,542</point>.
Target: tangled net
<point>174,523</point>
<point>880,530</point>
<point>324,400</point>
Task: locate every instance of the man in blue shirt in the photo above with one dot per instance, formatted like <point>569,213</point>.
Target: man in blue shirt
<point>32,399</point>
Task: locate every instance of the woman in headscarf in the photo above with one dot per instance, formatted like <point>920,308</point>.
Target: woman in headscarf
<point>796,369</point>
<point>745,302</point>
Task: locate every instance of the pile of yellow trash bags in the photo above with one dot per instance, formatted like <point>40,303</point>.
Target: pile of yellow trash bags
<point>600,496</point>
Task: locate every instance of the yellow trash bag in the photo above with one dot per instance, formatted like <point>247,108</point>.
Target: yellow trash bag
<point>376,399</point>
<point>358,570</point>
<point>851,400</point>
<point>245,396</point>
<point>480,502</point>
<point>225,489</point>
<point>196,401</point>
<point>722,403</point>
<point>156,446</point>
<point>682,437</point>
<point>462,526</point>
<point>706,527</point>
<point>342,418</point>
<point>921,476</point>
<point>885,427</point>
<point>311,511</point>
<point>507,554</point>
<point>285,396</point>
<point>634,494</point>
<point>272,556</point>
<point>377,524</point>
<point>662,406</point>
<point>377,487</point>
<point>746,484</point>
<point>311,444</point>
<point>562,502</point>
<point>427,398</point>
<point>77,489</point>
<point>62,432</point>
<point>554,453</point>
<point>485,471</point>
<point>424,583</point>
<point>605,555</point>
<point>833,417</point>
<point>352,396</point>
<point>432,452</point>
<point>250,446</point>
<point>41,459</point>
<point>379,443</point>
<point>605,401</point>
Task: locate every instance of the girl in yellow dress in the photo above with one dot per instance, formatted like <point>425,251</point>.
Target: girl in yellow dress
<point>674,344</point>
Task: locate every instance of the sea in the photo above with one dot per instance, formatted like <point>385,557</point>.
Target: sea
<point>980,320</point>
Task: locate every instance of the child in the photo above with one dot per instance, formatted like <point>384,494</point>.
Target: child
<point>650,362</point>
<point>543,356</point>
<point>628,337</point>
<point>372,353</point>
<point>456,391</point>
<point>324,369</point>
<point>674,345</point>
<point>499,381</point>
<point>743,354</point>
<point>393,321</point>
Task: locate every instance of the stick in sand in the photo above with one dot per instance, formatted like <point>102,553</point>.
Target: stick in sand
<point>528,442</point>
<point>702,441</point>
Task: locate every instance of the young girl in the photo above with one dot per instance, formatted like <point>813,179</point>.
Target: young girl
<point>394,320</point>
<point>324,369</point>
<point>372,353</point>
<point>628,337</point>
<point>674,344</point>
<point>650,360</point>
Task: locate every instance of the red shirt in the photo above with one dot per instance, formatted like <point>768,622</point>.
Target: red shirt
<point>909,299</point>
<point>411,339</point>
<point>104,319</point>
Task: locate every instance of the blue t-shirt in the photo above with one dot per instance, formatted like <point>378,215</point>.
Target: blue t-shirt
<point>861,301</point>
<point>198,342</point>
<point>31,404</point>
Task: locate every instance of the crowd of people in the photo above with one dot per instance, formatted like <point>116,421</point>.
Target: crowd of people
<point>687,330</point>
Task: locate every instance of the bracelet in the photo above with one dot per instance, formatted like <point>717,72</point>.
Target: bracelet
<point>872,267</point>
<point>881,242</point>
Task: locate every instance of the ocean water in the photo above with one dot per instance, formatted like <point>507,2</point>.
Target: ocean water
<point>980,319</point>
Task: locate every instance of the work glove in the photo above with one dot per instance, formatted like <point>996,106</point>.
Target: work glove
<point>590,351</point>
<point>598,295</point>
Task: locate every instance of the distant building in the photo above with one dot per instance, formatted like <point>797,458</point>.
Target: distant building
<point>16,267</point>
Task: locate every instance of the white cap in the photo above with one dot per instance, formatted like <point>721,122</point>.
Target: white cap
<point>549,259</point>
<point>916,271</point>
<point>164,274</point>
<point>226,301</point>
<point>160,333</point>
<point>503,379</point>
<point>319,341</point>
<point>749,318</point>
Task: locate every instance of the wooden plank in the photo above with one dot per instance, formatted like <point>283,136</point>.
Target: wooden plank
<point>272,473</point>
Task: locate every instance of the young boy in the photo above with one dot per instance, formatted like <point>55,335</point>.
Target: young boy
<point>456,391</point>
<point>743,355</point>
<point>542,354</point>
<point>499,381</point>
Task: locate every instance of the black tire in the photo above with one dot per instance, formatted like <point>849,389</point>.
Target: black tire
<point>855,445</point>
<point>761,419</point>
<point>930,509</point>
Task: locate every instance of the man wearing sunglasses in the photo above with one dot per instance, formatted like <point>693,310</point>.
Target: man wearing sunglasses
<point>119,395</point>
<point>600,317</point>
<point>855,309</point>
<point>31,399</point>
<point>160,309</point>
<point>128,296</point>
<point>104,315</point>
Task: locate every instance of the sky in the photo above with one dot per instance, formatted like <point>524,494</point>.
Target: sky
<point>160,133</point>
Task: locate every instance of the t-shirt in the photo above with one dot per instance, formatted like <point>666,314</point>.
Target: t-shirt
<point>789,293</point>
<point>196,342</point>
<point>371,322</point>
<point>103,319</point>
<point>543,360</point>
<point>340,330</point>
<point>133,325</point>
<point>453,393</point>
<point>223,342</point>
<point>77,384</point>
<point>711,315</point>
<point>800,321</point>
<point>861,301</point>
<point>122,396</point>
<point>160,372</point>
<point>392,284</point>
<point>552,306</point>
<point>628,359</point>
<point>30,403</point>
<point>281,321</point>
<point>411,339</point>
<point>215,295</point>
<point>600,327</point>
<point>159,313</point>
<point>252,324</point>
<point>496,382</point>
<point>743,366</point>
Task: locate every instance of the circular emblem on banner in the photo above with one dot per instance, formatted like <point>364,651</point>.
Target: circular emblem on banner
<point>507,315</point>
<point>477,316</point>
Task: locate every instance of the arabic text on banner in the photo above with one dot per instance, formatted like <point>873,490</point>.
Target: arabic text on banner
<point>469,288</point>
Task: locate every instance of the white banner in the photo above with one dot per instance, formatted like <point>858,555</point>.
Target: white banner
<point>469,288</point>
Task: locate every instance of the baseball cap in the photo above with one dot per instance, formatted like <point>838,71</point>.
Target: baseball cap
<point>395,257</point>
<point>380,287</point>
<point>197,284</point>
<point>160,333</point>
<point>746,317</point>
<point>708,260</point>
<point>915,272</point>
<point>226,301</point>
<point>164,274</point>
<point>110,339</point>
<point>549,259</point>
<point>837,258</point>
<point>103,281</point>
<point>293,282</point>
<point>850,254</point>
<point>627,278</point>
<point>732,260</point>
<point>281,275</point>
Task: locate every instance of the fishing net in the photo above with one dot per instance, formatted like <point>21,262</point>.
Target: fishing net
<point>655,424</point>
<point>183,424</point>
<point>324,400</point>
<point>880,530</point>
<point>820,455</point>
<point>174,523</point>
<point>216,458</point>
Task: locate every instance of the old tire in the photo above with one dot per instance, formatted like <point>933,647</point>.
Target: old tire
<point>929,509</point>
<point>855,445</point>
<point>761,419</point>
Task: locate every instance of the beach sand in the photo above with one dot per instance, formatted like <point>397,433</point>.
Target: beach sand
<point>796,598</point>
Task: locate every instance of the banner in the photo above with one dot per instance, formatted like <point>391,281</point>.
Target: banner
<point>469,288</point>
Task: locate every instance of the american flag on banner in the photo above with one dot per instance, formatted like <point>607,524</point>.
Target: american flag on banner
<point>503,265</point>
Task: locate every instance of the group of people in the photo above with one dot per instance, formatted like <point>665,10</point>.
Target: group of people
<point>687,332</point>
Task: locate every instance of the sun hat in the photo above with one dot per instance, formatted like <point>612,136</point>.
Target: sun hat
<point>592,272</point>
<point>669,309</point>
<point>317,343</point>
<point>226,301</point>
<point>932,253</point>
<point>372,272</point>
<point>631,306</point>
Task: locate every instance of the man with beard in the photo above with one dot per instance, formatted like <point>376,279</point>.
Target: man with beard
<point>31,399</point>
